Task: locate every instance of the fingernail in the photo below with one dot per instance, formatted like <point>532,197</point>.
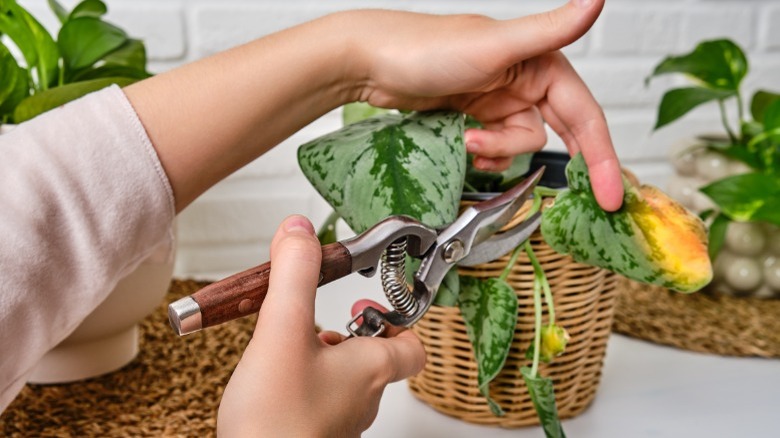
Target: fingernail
<point>472,147</point>
<point>583,3</point>
<point>298,224</point>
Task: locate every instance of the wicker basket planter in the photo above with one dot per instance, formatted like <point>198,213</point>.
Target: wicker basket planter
<point>584,299</point>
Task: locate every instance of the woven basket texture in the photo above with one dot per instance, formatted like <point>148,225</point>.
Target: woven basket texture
<point>584,298</point>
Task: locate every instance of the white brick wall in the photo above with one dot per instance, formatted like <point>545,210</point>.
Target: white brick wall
<point>229,228</point>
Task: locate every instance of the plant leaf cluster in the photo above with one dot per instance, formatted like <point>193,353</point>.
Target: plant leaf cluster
<point>384,163</point>
<point>716,70</point>
<point>88,54</point>
<point>415,164</point>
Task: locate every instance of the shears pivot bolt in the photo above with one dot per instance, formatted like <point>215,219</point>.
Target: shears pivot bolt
<point>454,251</point>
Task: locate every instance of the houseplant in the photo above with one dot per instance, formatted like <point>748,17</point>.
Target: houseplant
<point>732,177</point>
<point>415,164</point>
<point>88,54</point>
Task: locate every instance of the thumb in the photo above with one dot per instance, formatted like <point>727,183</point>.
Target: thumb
<point>545,32</point>
<point>295,270</point>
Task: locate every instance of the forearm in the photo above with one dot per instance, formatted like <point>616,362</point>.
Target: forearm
<point>209,118</point>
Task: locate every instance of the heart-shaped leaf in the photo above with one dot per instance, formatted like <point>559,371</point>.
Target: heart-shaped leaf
<point>89,8</point>
<point>543,397</point>
<point>651,238</point>
<point>389,165</point>
<point>719,64</point>
<point>676,103</point>
<point>489,308</point>
<point>748,197</point>
<point>85,40</point>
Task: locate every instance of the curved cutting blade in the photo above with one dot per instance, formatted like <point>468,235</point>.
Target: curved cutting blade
<point>500,244</point>
<point>488,217</point>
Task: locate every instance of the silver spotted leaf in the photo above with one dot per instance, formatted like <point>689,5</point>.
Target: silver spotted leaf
<point>489,308</point>
<point>391,164</point>
<point>651,238</point>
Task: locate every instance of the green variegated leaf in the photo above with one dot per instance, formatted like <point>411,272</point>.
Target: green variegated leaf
<point>389,165</point>
<point>357,111</point>
<point>449,290</point>
<point>543,396</point>
<point>651,238</point>
<point>489,308</point>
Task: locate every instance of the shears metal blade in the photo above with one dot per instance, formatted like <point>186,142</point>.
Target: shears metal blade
<point>473,238</point>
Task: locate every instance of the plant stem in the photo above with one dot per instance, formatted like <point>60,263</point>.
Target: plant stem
<point>546,192</point>
<point>512,261</point>
<point>538,271</point>
<point>724,120</point>
<point>740,110</point>
<point>537,315</point>
<point>469,188</point>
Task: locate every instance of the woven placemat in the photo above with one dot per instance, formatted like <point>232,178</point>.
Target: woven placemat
<point>702,322</point>
<point>172,388</point>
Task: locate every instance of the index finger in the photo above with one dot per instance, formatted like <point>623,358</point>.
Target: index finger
<point>573,113</point>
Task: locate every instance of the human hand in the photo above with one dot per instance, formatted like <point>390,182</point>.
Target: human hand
<point>508,74</point>
<point>292,382</point>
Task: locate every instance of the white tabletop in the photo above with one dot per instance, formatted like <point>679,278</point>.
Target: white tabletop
<point>646,390</point>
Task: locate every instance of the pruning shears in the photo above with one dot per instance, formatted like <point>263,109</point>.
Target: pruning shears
<point>473,238</point>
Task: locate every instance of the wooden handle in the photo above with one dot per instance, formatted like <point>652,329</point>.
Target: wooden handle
<point>243,294</point>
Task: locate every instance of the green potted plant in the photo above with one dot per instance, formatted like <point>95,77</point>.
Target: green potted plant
<point>415,164</point>
<point>88,54</point>
<point>732,177</point>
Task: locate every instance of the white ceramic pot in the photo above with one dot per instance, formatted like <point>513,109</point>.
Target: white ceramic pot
<point>108,338</point>
<point>749,261</point>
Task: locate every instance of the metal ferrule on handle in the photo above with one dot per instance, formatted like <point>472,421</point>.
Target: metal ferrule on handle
<point>184,316</point>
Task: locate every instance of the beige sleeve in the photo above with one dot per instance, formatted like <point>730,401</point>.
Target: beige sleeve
<point>83,199</point>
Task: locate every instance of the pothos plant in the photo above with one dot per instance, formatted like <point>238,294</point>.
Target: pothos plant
<point>415,164</point>
<point>715,70</point>
<point>88,54</point>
